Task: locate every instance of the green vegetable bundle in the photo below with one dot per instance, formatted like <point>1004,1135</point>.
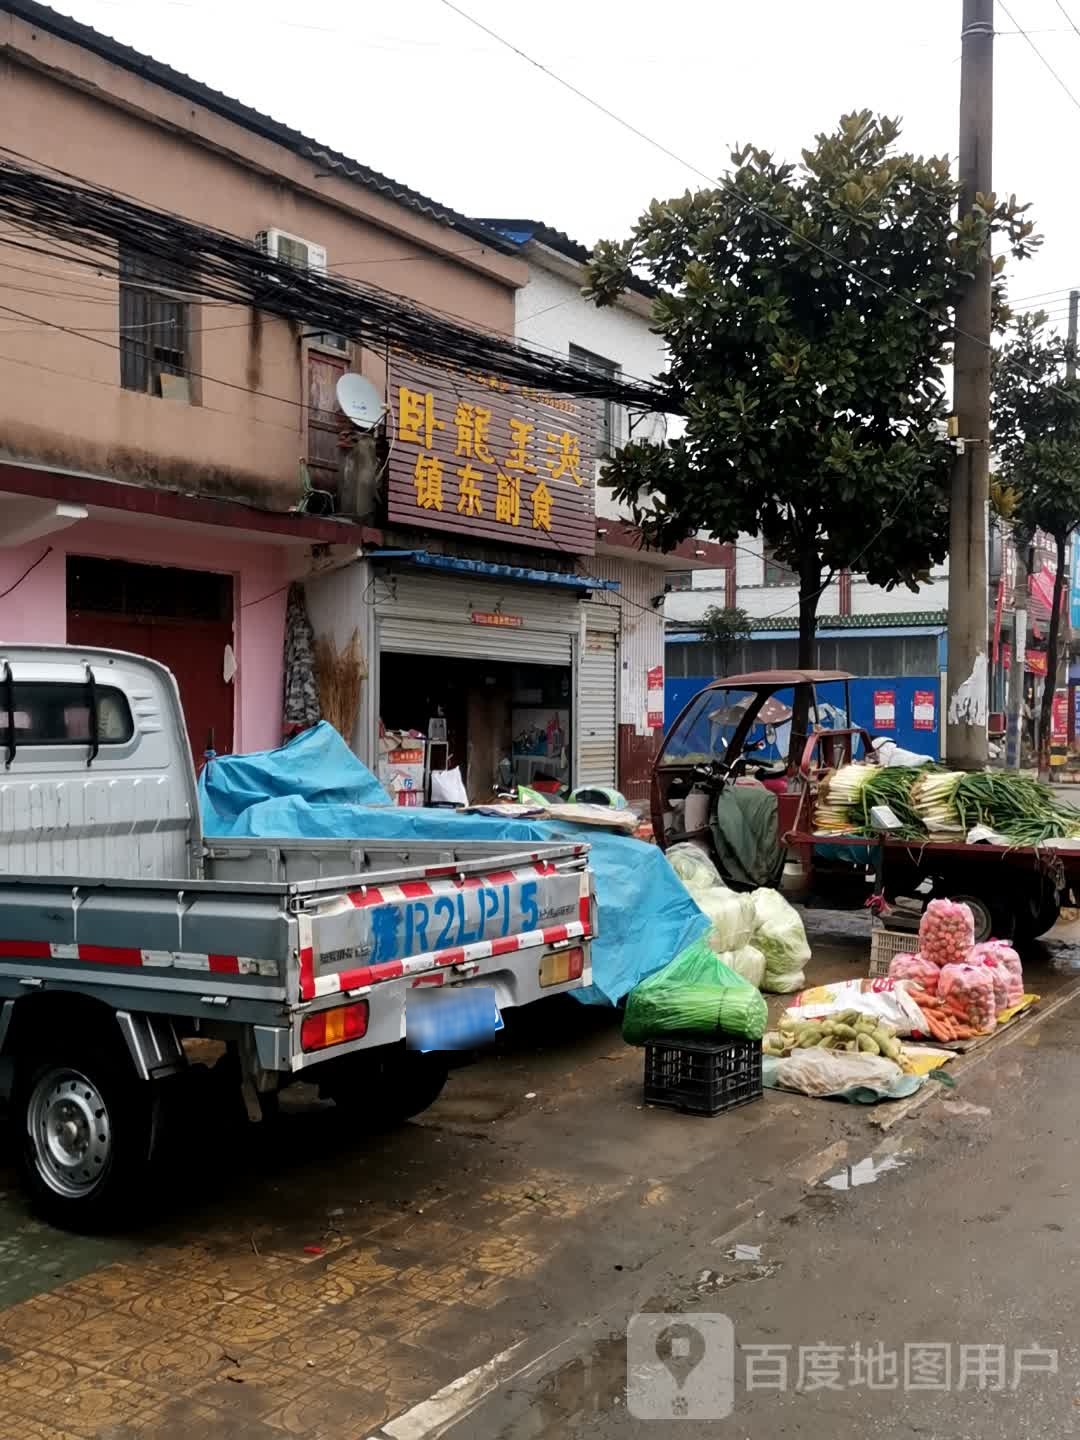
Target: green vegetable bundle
<point>929,801</point>
<point>696,992</point>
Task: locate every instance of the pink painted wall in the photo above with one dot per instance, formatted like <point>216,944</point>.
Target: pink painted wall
<point>36,609</point>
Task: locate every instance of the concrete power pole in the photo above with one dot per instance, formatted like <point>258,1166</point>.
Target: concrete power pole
<point>965,736</point>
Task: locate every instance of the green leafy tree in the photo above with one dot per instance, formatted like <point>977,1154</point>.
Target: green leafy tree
<point>725,626</point>
<point>1036,417</point>
<point>807,310</point>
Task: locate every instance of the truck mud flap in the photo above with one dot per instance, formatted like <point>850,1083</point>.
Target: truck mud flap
<point>152,1043</point>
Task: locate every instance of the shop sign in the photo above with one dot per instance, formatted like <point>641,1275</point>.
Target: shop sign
<point>1059,718</point>
<point>1076,711</point>
<point>884,709</point>
<point>496,619</point>
<point>1035,662</point>
<point>477,456</point>
<point>1074,582</point>
<point>1006,655</point>
<point>924,710</point>
<point>654,698</point>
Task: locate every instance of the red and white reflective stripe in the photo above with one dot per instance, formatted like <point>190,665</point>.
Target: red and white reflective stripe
<point>435,959</point>
<point>585,900</point>
<point>424,889</point>
<point>135,959</point>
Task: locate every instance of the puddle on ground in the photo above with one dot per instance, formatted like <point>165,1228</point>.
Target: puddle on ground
<point>866,1172</point>
<point>582,1388</point>
<point>711,1282</point>
<point>964,1107</point>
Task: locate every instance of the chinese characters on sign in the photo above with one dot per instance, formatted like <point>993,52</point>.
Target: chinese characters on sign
<point>478,456</point>
<point>884,709</point>
<point>654,701</point>
<point>922,715</point>
<point>689,1367</point>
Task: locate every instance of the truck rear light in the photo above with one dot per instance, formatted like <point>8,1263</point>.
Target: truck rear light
<point>561,966</point>
<point>334,1027</point>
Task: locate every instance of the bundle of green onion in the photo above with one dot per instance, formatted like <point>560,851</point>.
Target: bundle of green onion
<point>1015,806</point>
<point>838,809</point>
<point>933,798</point>
<point>933,803</point>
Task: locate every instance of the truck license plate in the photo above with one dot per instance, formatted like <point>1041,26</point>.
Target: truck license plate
<point>456,1019</point>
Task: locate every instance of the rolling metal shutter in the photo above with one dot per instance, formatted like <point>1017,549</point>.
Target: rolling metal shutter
<point>422,615</point>
<point>598,704</point>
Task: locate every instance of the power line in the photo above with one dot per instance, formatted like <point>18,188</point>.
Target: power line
<point>729,186</point>
<point>1068,17</point>
<point>1040,54</point>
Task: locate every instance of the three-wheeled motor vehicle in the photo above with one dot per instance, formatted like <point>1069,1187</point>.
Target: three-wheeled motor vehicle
<point>723,779</point>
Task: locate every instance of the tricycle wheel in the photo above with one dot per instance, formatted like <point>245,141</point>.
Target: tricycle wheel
<point>1036,913</point>
<point>994,917</point>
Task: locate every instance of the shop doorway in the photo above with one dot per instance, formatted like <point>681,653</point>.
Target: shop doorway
<point>507,724</point>
<point>181,618</point>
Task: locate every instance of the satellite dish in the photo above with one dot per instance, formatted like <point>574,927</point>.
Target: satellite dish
<point>360,401</point>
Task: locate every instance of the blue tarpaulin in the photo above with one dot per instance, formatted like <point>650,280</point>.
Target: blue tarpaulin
<point>315,787</point>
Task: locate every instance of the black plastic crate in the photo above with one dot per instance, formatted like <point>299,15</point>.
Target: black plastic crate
<point>703,1075</point>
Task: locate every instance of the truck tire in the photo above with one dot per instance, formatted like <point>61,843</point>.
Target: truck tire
<point>1037,914</point>
<point>994,915</point>
<point>86,1125</point>
<point>387,1086</point>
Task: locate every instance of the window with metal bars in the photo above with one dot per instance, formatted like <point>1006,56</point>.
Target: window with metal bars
<point>155,331</point>
<point>609,426</point>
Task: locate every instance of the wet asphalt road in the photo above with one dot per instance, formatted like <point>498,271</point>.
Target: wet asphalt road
<point>312,1282</point>
<point>925,1283</point>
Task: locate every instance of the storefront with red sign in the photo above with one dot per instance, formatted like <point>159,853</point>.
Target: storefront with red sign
<point>507,656</point>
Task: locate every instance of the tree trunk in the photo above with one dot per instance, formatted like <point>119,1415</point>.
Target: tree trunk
<point>1053,662</point>
<point>809,597</point>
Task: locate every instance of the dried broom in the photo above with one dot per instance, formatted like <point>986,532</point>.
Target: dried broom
<point>340,674</point>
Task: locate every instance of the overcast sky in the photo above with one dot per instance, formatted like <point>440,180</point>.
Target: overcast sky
<point>417,92</point>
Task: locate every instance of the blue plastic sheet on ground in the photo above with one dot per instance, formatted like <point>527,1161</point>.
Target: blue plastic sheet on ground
<point>319,789</point>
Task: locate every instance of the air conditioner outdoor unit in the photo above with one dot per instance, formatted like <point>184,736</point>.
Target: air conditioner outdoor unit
<point>292,250</point>
<point>304,255</point>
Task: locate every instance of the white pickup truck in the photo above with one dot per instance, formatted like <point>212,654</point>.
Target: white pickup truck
<point>125,937</point>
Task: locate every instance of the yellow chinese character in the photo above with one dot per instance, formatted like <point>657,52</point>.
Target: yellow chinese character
<point>428,479</point>
<point>416,417</point>
<point>469,491</point>
<point>541,507</point>
<point>521,432</point>
<point>473,423</point>
<point>567,451</point>
<point>508,498</point>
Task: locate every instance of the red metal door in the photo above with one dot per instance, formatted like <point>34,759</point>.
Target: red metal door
<point>181,618</point>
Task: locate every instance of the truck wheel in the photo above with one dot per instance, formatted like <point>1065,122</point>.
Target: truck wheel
<point>87,1130</point>
<point>387,1086</point>
<point>994,917</point>
<point>1036,914</point>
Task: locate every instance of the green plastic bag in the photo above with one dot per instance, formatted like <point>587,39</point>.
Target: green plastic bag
<point>696,992</point>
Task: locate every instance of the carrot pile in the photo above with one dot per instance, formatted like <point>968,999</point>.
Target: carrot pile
<point>945,1019</point>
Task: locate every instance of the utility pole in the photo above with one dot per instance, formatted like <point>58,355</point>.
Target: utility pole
<point>965,736</point>
<point>1014,746</point>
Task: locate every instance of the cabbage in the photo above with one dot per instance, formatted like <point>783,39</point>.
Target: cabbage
<point>696,992</point>
<point>781,937</point>
<point>693,867</point>
<point>748,962</point>
<point>731,916</point>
